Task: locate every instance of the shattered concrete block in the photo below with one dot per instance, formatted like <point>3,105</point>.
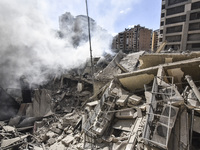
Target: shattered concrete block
<point>9,129</point>
<point>68,131</point>
<point>125,114</point>
<point>116,91</point>
<point>56,130</point>
<point>8,142</point>
<point>51,141</point>
<point>67,140</point>
<point>134,99</point>
<point>92,104</point>
<point>122,100</point>
<point>51,134</point>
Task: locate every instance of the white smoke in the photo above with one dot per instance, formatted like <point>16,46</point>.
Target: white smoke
<point>28,45</point>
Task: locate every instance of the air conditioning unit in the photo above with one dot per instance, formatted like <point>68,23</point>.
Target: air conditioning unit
<point>161,135</point>
<point>165,115</point>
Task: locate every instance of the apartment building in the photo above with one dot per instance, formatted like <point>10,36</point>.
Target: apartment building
<point>180,24</point>
<point>133,39</point>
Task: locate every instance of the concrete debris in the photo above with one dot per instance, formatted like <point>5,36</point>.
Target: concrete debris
<point>137,101</point>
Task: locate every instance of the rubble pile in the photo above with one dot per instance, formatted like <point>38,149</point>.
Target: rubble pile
<point>137,101</point>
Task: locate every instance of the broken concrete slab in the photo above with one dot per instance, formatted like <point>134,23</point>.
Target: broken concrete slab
<point>137,79</point>
<point>126,114</point>
<point>134,99</point>
<point>41,103</point>
<point>152,59</point>
<point>122,100</point>
<point>8,142</point>
<point>9,129</point>
<point>68,140</point>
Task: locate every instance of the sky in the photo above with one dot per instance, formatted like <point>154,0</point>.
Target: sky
<point>112,15</point>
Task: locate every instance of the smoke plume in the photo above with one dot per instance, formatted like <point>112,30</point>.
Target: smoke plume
<point>28,45</point>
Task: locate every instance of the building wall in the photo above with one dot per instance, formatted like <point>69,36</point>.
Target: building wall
<point>155,40</point>
<point>145,39</point>
<point>133,40</point>
<point>180,24</point>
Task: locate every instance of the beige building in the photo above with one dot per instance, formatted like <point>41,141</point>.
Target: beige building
<point>180,24</point>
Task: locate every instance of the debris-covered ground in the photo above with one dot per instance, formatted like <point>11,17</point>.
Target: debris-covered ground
<point>135,101</point>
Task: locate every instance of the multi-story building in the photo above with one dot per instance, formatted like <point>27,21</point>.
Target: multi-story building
<point>144,39</point>
<point>133,40</point>
<point>154,45</point>
<point>180,24</point>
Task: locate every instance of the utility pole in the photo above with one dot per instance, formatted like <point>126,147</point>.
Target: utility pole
<point>91,58</point>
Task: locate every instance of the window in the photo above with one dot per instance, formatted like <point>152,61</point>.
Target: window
<point>172,2</point>
<point>176,19</point>
<point>176,38</point>
<point>195,5</point>
<point>175,10</point>
<point>194,16</point>
<point>194,26</point>
<point>197,45</point>
<point>194,37</point>
<point>174,29</point>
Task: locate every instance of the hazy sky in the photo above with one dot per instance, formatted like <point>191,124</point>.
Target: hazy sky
<point>113,15</point>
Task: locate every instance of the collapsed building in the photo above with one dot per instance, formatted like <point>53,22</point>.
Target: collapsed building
<point>135,101</point>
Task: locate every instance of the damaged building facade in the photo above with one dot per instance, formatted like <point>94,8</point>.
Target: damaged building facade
<point>180,25</point>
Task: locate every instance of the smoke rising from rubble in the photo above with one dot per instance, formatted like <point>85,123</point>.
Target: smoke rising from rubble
<point>28,46</point>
